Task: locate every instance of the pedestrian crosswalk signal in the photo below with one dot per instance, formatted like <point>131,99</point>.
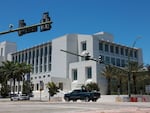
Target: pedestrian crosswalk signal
<point>100,59</point>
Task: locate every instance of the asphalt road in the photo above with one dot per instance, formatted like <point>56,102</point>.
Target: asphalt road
<point>72,107</point>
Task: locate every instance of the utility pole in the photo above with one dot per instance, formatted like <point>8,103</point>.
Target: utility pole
<point>129,67</point>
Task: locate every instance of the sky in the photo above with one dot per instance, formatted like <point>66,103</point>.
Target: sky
<point>125,19</point>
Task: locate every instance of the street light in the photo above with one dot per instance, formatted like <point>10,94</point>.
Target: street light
<point>129,67</point>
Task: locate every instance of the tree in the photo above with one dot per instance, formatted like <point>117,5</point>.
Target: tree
<point>52,89</point>
<point>5,89</point>
<point>27,88</point>
<point>135,68</point>
<point>8,69</point>
<point>15,71</point>
<point>108,72</point>
<point>92,86</point>
<point>22,69</point>
<point>120,75</point>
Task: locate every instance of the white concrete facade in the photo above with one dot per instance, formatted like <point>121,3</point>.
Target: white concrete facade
<point>101,43</point>
<point>6,48</point>
<point>69,71</point>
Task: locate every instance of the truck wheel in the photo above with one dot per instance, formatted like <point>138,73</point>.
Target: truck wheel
<point>74,100</point>
<point>67,99</point>
<point>94,100</point>
<point>86,99</point>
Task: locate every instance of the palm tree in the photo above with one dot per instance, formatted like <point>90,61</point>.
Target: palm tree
<point>120,75</point>
<point>22,69</point>
<point>135,68</point>
<point>5,89</point>
<point>52,89</point>
<point>8,69</point>
<point>15,71</point>
<point>108,72</point>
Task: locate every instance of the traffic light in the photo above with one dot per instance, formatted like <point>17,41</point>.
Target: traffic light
<point>21,24</point>
<point>45,18</point>
<point>29,29</point>
<point>100,59</point>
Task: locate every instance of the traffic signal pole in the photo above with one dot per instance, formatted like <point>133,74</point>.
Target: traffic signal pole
<point>25,27</point>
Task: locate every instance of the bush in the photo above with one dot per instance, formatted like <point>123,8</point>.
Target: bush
<point>5,90</point>
<point>91,87</point>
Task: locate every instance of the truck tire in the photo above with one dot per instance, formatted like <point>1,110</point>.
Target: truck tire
<point>86,99</point>
<point>67,99</point>
<point>94,100</point>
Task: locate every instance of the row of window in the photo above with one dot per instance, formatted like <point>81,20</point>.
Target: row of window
<point>38,86</point>
<point>44,76</point>
<point>39,58</point>
<point>32,54</point>
<point>119,50</point>
<point>88,71</point>
<point>114,61</point>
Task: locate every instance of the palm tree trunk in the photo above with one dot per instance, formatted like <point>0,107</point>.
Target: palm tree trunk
<point>18,86</point>
<point>14,84</point>
<point>109,89</point>
<point>134,84</point>
<point>120,83</point>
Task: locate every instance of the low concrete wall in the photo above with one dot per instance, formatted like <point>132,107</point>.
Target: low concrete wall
<point>124,98</point>
<point>104,98</point>
<point>110,98</point>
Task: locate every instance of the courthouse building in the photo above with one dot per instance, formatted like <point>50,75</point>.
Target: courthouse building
<point>70,71</point>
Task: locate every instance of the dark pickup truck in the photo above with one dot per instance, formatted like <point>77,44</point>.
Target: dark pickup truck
<point>81,94</point>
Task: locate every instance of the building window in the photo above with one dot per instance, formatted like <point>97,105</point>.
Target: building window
<point>118,62</point>
<point>106,48</point>
<point>135,54</point>
<point>45,51</point>
<point>45,68</point>
<point>131,53</point>
<point>89,72</point>
<point>40,68</point>
<point>36,69</point>
<point>126,52</point>
<point>37,53</point>
<point>74,74</point>
<point>107,60</point>
<point>33,54</point>
<point>101,46</point>
<point>112,49</point>
<point>122,63</point>
<point>122,51</point>
<point>83,45</point>
<point>113,61</point>
<point>1,51</point>
<point>19,58</point>
<point>49,67</point>
<point>37,86</point>
<point>22,57</point>
<point>117,50</point>
<point>41,52</point>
